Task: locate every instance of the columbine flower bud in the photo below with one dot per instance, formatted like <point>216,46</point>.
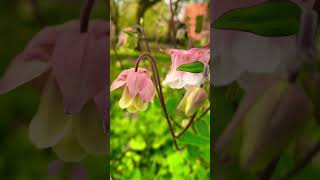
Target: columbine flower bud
<point>138,89</point>
<point>268,119</point>
<point>192,100</point>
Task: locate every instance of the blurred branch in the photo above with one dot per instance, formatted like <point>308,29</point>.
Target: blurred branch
<point>36,12</point>
<point>173,25</point>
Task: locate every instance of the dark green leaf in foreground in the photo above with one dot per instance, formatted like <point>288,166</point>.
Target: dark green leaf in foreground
<point>194,67</point>
<point>273,18</point>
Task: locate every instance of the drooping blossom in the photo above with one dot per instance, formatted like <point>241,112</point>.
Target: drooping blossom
<point>179,79</point>
<point>192,100</point>
<point>74,66</point>
<point>243,55</point>
<point>138,89</point>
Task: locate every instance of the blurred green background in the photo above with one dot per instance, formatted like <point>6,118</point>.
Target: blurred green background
<point>141,143</point>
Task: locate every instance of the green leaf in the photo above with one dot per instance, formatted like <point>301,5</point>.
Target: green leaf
<point>193,139</point>
<point>199,20</point>
<point>203,128</point>
<point>273,18</point>
<point>194,67</point>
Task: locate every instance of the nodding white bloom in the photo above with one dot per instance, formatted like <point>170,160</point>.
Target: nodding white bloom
<point>138,89</point>
<point>240,55</point>
<point>179,79</point>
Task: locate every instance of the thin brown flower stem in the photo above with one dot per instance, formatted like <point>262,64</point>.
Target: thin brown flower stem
<point>173,26</point>
<point>303,163</point>
<point>139,27</point>
<point>188,126</point>
<point>160,94</point>
<point>85,16</point>
<point>203,114</point>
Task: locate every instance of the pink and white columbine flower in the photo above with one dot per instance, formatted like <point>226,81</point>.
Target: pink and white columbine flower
<point>179,79</point>
<point>243,56</point>
<point>138,89</point>
<point>75,68</point>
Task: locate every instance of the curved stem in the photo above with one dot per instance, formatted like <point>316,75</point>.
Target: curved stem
<point>160,94</point>
<point>139,27</point>
<point>173,26</point>
<point>85,16</point>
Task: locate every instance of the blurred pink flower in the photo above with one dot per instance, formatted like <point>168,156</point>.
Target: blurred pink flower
<point>75,67</point>
<point>239,55</point>
<point>122,39</point>
<point>138,89</point>
<point>179,79</point>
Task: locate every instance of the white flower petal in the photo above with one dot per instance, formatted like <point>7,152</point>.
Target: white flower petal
<point>49,124</point>
<point>195,79</point>
<point>89,130</point>
<point>69,149</point>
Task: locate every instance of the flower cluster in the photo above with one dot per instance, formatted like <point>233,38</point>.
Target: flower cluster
<point>138,88</point>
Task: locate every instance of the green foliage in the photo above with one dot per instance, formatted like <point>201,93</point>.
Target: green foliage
<point>194,67</point>
<point>272,18</point>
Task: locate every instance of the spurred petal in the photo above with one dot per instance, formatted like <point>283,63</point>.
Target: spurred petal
<point>120,80</point>
<point>135,82</point>
<point>32,62</point>
<point>147,92</point>
<point>80,65</point>
<point>21,71</point>
<point>49,124</point>
<point>69,149</point>
<point>45,41</point>
<point>89,130</point>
